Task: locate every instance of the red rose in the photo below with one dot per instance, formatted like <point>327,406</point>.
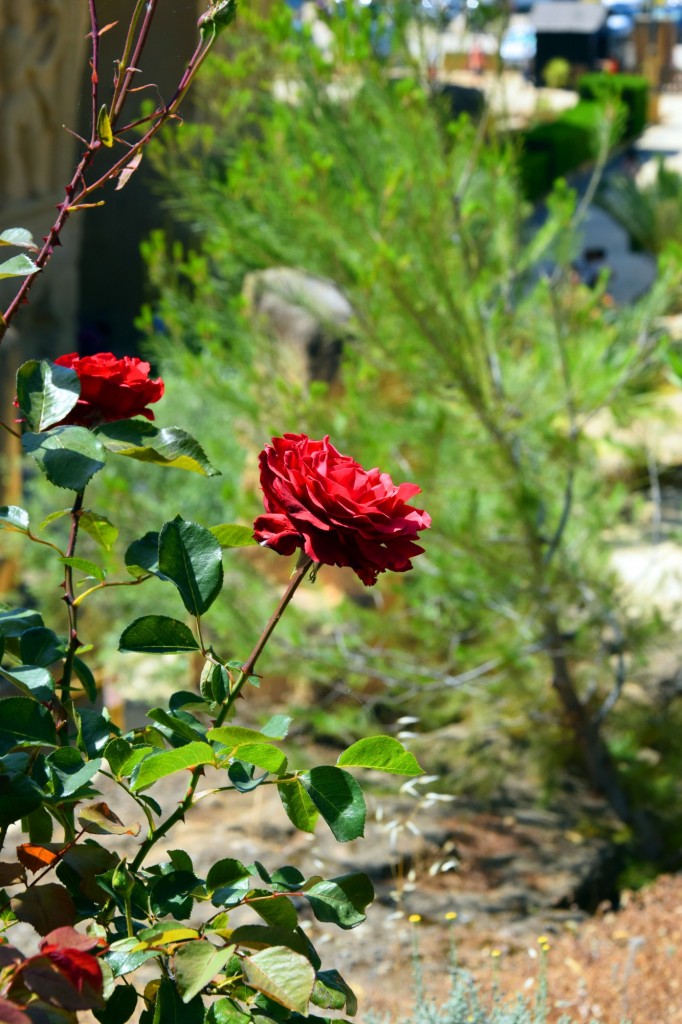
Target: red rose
<point>339,513</point>
<point>111,388</point>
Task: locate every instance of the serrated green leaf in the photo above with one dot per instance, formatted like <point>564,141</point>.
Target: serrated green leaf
<point>18,266</point>
<point>231,535</point>
<point>168,446</point>
<point>282,975</point>
<point>25,720</point>
<point>85,566</point>
<point>299,808</point>
<point>383,754</point>
<point>13,518</point>
<point>196,964</point>
<point>20,237</point>
<point>341,901</point>
<point>46,393</point>
<point>190,556</point>
<point>339,800</point>
<point>157,766</point>
<point>101,529</point>
<point>68,456</point>
<point>260,936</point>
<point>157,634</point>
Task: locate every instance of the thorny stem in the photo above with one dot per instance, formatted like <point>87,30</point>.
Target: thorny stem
<point>247,670</point>
<point>77,190</point>
<point>72,607</point>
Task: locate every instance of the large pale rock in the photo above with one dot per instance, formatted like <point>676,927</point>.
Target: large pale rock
<point>308,317</point>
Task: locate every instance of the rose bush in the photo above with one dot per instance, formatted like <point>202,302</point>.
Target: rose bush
<point>111,389</point>
<point>339,513</point>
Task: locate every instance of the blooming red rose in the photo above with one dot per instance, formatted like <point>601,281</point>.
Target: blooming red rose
<point>339,513</point>
<point>111,389</point>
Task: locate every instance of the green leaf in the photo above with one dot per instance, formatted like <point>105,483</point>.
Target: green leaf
<point>277,727</point>
<point>180,724</point>
<point>157,634</point>
<point>225,873</point>
<point>16,621</point>
<point>230,535</point>
<point>383,753</point>
<point>196,964</point>
<point>282,975</point>
<point>142,556</point>
<point>101,529</point>
<point>46,393</point>
<point>20,237</point>
<point>259,936</point>
<point>263,755</point>
<point>120,1006</point>
<point>339,800</point>
<point>170,1009</point>
<point>331,992</point>
<point>341,901</point>
<point>100,820</point>
<point>104,132</point>
<point>172,894</point>
<point>299,808</point>
<point>280,913</point>
<point>234,736</point>
<point>214,683</point>
<point>13,518</point>
<point>69,772</point>
<point>33,680</point>
<point>18,266</point>
<point>168,446</point>
<point>26,720</point>
<point>45,907</point>
<point>54,516</point>
<point>157,766</point>
<point>94,730</point>
<point>86,679</point>
<point>91,569</point>
<point>224,1011</point>
<point>68,456</point>
<point>125,961</point>
<point>190,556</point>
<point>40,646</point>
<point>116,753</point>
<point>19,797</point>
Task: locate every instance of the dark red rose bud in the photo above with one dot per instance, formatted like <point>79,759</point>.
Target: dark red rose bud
<point>339,513</point>
<point>111,389</point>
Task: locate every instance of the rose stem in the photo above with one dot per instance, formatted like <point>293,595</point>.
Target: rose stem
<point>247,669</point>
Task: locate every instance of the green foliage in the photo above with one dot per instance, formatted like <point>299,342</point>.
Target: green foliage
<point>632,90</point>
<point>476,365</point>
<point>569,141</point>
<point>54,750</point>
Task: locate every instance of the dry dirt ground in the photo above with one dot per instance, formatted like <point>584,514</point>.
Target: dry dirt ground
<point>509,876</point>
